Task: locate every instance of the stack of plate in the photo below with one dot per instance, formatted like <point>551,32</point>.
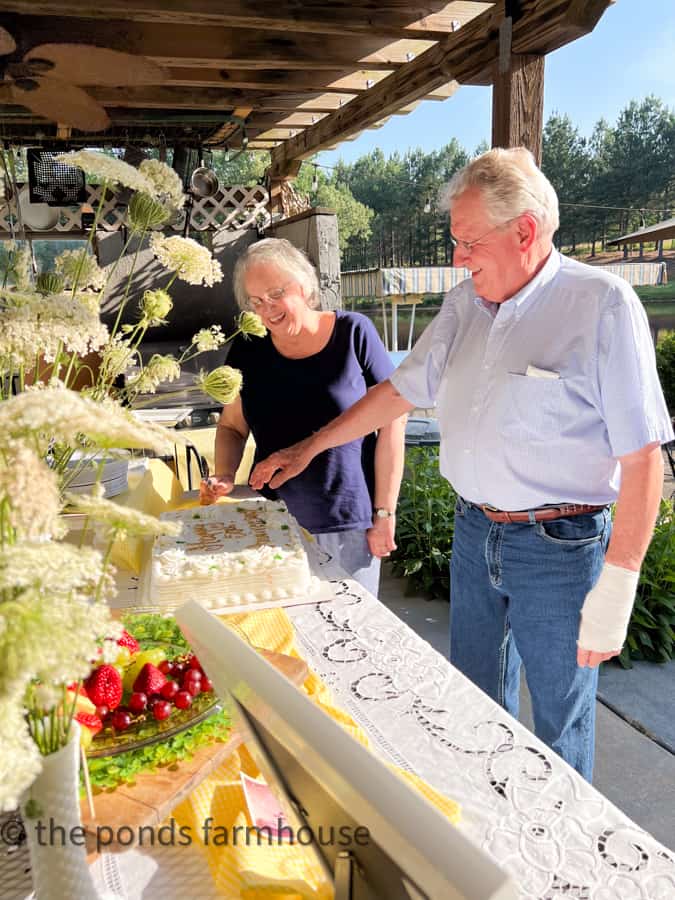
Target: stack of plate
<point>110,472</point>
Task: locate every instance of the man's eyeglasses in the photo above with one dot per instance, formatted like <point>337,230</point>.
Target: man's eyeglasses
<point>468,246</point>
<point>270,298</point>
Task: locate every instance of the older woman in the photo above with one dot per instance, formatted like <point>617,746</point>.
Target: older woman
<point>312,365</point>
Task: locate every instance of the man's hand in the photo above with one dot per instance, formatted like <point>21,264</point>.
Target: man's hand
<point>285,463</point>
<point>592,659</point>
<point>210,489</point>
<point>381,537</point>
<point>605,615</point>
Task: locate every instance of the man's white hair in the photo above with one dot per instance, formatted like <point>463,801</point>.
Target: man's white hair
<point>282,254</point>
<point>511,184</point>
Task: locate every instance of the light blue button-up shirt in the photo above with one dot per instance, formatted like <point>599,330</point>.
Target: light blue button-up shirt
<point>516,440</point>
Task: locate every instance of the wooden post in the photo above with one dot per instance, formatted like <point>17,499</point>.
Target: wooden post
<point>518,104</point>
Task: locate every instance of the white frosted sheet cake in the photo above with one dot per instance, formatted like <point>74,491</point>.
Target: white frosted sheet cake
<point>245,553</point>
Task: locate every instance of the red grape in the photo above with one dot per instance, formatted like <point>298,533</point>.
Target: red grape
<point>120,720</point>
<point>183,700</point>
<point>170,690</point>
<point>161,710</point>
<point>138,702</point>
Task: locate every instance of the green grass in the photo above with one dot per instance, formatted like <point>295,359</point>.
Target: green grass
<point>656,293</point>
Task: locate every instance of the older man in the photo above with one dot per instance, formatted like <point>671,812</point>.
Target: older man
<point>542,371</point>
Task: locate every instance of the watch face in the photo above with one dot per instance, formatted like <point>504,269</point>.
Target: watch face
<point>382,513</point>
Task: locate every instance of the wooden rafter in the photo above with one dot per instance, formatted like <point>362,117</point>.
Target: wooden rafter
<point>464,56</point>
<point>211,46</point>
<point>394,20</point>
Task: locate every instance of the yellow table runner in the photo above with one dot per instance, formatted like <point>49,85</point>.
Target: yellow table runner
<point>268,872</point>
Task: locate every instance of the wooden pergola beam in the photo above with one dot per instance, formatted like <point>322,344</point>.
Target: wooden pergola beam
<point>397,19</point>
<point>269,79</point>
<point>213,47</point>
<point>518,105</point>
<point>543,26</point>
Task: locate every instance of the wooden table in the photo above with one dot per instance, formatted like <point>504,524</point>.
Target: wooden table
<point>154,795</point>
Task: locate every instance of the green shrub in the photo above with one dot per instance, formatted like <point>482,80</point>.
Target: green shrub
<point>651,631</point>
<point>425,519</point>
<point>665,363</point>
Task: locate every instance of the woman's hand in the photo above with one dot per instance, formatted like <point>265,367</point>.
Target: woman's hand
<point>210,489</point>
<point>381,536</point>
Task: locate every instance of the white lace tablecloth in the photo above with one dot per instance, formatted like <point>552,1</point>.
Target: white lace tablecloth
<point>557,836</point>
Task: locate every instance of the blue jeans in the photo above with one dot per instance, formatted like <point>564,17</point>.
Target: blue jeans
<point>516,593</point>
<point>350,550</point>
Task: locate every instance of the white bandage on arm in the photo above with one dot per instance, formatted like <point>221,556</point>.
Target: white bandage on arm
<point>607,608</point>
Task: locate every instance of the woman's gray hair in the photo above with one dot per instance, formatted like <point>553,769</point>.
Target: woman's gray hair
<point>511,184</point>
<point>282,254</point>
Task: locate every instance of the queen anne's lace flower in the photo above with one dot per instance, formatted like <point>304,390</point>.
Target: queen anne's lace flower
<point>209,338</point>
<point>66,416</point>
<point>117,357</point>
<point>108,168</point>
<point>80,267</point>
<point>20,761</point>
<point>158,370</point>
<point>31,492</point>
<point>53,567</point>
<point>189,260</point>
<point>33,326</point>
<point>50,637</point>
<point>118,518</point>
<point>165,181</point>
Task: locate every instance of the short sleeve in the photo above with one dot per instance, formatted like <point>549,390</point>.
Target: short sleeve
<point>370,351</point>
<point>418,377</point>
<point>633,405</point>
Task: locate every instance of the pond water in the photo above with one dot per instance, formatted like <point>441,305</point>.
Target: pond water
<point>661,318</point>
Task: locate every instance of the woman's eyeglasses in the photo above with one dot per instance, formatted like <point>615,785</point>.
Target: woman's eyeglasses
<point>270,298</point>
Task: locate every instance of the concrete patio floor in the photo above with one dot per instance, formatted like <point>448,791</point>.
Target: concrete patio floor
<point>634,770</point>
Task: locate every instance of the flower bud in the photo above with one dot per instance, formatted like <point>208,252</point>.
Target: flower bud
<point>223,384</point>
<point>156,306</point>
<point>251,323</point>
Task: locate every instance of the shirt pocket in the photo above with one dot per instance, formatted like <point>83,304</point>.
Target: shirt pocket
<point>532,409</point>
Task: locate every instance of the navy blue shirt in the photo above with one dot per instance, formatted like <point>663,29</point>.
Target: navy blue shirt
<point>285,400</point>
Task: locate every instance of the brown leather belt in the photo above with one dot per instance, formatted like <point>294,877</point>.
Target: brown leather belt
<point>543,514</point>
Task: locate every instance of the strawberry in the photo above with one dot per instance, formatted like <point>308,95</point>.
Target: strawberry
<point>90,721</point>
<point>104,687</point>
<point>150,680</point>
<point>127,640</point>
<point>90,725</point>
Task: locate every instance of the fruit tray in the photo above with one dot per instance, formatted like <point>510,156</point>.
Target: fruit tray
<point>162,644</point>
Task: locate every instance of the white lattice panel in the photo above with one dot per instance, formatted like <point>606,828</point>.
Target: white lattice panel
<point>233,208</point>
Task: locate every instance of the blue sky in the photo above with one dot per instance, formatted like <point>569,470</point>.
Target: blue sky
<point>630,54</point>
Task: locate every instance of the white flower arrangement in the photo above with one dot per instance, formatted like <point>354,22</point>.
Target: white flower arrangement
<point>54,614</point>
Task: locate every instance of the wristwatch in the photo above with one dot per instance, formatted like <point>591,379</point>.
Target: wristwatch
<point>381,513</point>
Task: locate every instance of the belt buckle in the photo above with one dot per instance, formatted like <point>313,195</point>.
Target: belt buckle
<point>491,508</point>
